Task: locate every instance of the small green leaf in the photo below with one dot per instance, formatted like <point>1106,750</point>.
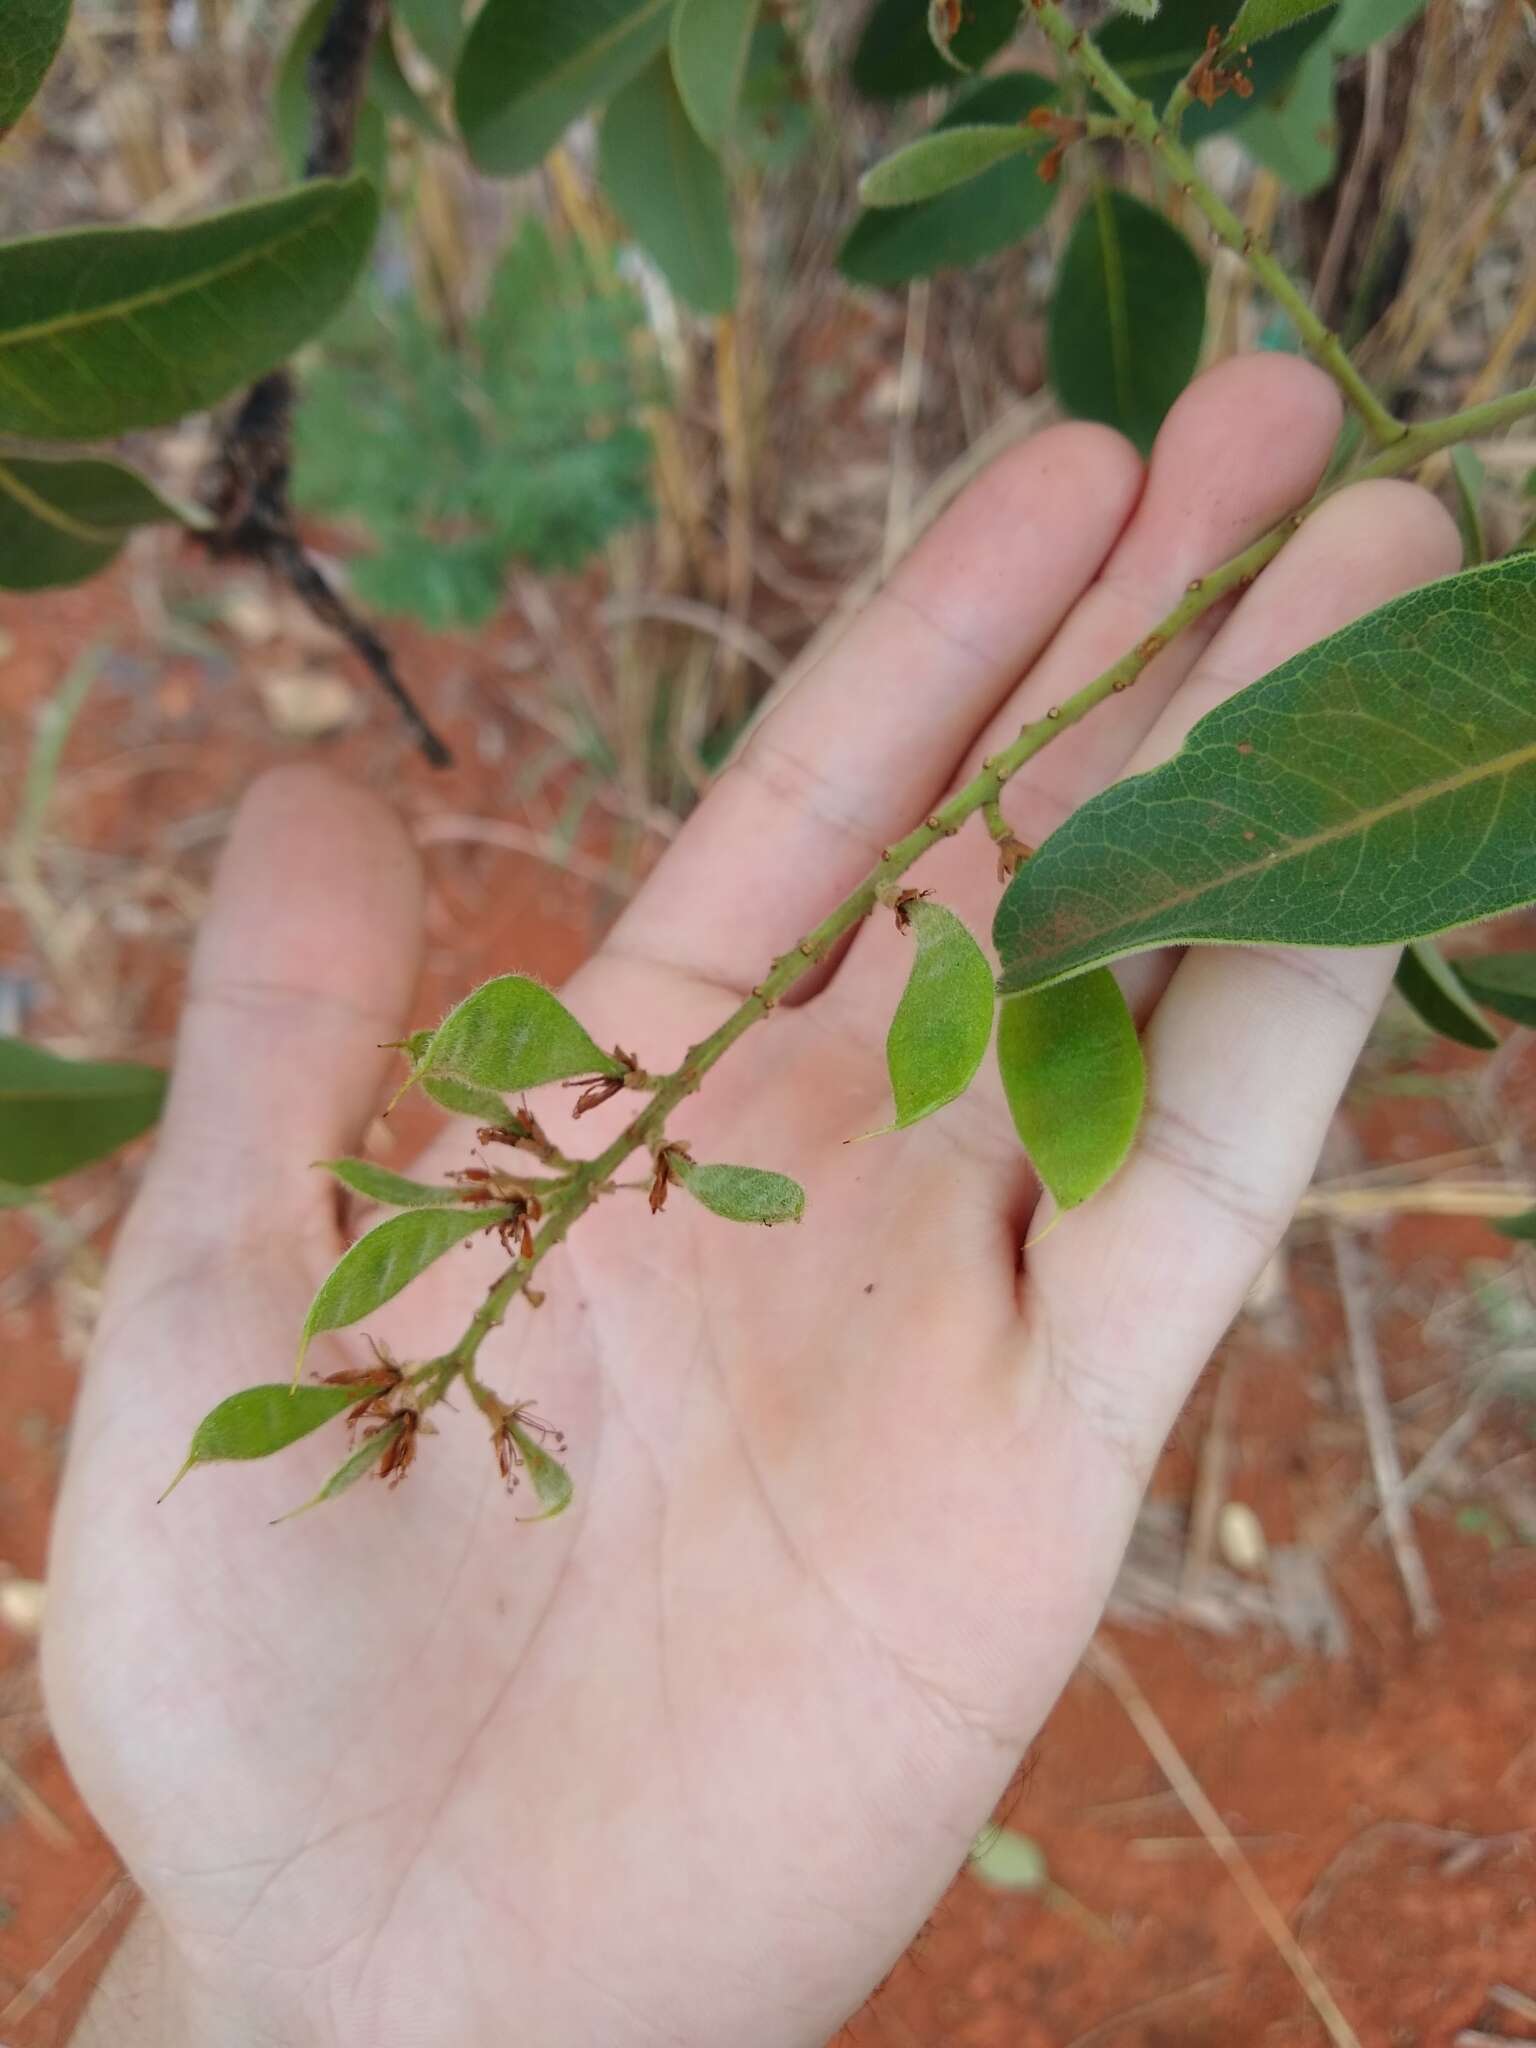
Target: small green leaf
<point>1505,982</point>
<point>261,1420</point>
<point>1295,132</point>
<point>668,189</point>
<point>464,1099</point>
<point>711,41</point>
<point>527,71</point>
<point>938,1036</point>
<point>1153,56</point>
<point>1520,1227</point>
<point>939,161</point>
<point>1468,472</point>
<point>1010,1861</point>
<point>1431,989</point>
<point>509,1035</point>
<point>742,1194</point>
<point>1376,788</point>
<point>896,56</point>
<point>1257,19</point>
<point>57,1114</point>
<point>378,1184</point>
<point>103,330</point>
<point>436,27</point>
<point>387,1258</point>
<point>1075,1080</point>
<point>357,1465</point>
<point>964,226</point>
<point>549,1479</point>
<point>62,521</point>
<point>1363,22</point>
<point>33,32</point>
<point>1127,316</point>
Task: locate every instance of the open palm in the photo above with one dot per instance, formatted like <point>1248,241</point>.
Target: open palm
<point>692,1763</point>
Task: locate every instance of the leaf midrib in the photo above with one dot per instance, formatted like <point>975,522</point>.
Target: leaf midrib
<point>55,516</point>
<point>589,55</point>
<point>1114,293</point>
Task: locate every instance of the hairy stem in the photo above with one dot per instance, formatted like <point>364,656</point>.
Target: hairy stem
<point>1094,68</point>
<point>594,1177</point>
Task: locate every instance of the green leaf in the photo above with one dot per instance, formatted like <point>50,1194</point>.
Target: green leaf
<point>549,1479</point>
<point>357,1465</point>
<point>1127,316</point>
<point>896,56</point>
<point>393,93</point>
<point>378,1184</point>
<point>1377,788</point>
<point>961,227</point>
<point>939,1034</point>
<point>711,42</point>
<point>103,330</point>
<point>12,1197</point>
<point>436,27</point>
<point>527,71</point>
<point>261,1420</point>
<point>1522,1227</point>
<point>1154,56</point>
<point>1075,1080</point>
<point>1010,1861</point>
<point>775,124</point>
<point>939,161</point>
<point>1431,989</point>
<point>387,1258</point>
<point>62,521</point>
<point>668,189</point>
<point>33,32</point>
<point>1362,22</point>
<point>742,1194</point>
<point>464,1099</point>
<point>57,1114</point>
<point>1505,982</point>
<point>1467,471</point>
<point>512,1034</point>
<point>1257,19</point>
<point>1295,133</point>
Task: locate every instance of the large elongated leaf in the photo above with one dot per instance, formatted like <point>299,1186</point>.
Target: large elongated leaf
<point>1075,1080</point>
<point>939,1034</point>
<point>528,70</point>
<point>384,1260</point>
<point>103,330</point>
<point>259,1421</point>
<point>940,161</point>
<point>1153,56</point>
<point>1377,788</point>
<point>29,41</point>
<point>62,521</point>
<point>512,1033</point>
<point>894,244</point>
<point>57,1114</point>
<point>1428,984</point>
<point>711,41</point>
<point>897,57</point>
<point>1127,316</point>
<point>668,188</point>
<point>1505,982</point>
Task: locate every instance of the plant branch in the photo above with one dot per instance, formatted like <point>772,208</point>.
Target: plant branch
<point>1100,76</point>
<point>594,1177</point>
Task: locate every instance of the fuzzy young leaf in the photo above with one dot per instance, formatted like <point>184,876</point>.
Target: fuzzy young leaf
<point>259,1421</point>
<point>103,330</point>
<point>1127,316</point>
<point>1379,787</point>
<point>1154,56</point>
<point>1505,982</point>
<point>356,1465</point>
<point>669,189</point>
<point>1429,986</point>
<point>896,56</point>
<point>742,1194</point>
<point>892,245</point>
<point>378,1184</point>
<point>384,1260</point>
<point>1075,1080</point>
<point>1258,19</point>
<point>512,1034</point>
<point>526,72</point>
<point>1010,1861</point>
<point>938,1036</point>
<point>1295,132</point>
<point>1468,473</point>
<point>549,1479</point>
<point>33,32</point>
<point>57,1114</point>
<point>939,161</point>
<point>464,1099</point>
<point>711,41</point>
<point>1520,1227</point>
<point>62,521</point>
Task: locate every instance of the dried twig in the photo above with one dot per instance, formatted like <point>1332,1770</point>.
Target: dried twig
<point>43,1983</point>
<point>1146,2006</point>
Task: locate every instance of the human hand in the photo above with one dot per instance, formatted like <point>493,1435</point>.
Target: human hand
<point>693,1762</point>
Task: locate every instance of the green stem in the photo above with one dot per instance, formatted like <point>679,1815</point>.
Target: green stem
<point>594,1177</point>
<point>1090,63</point>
